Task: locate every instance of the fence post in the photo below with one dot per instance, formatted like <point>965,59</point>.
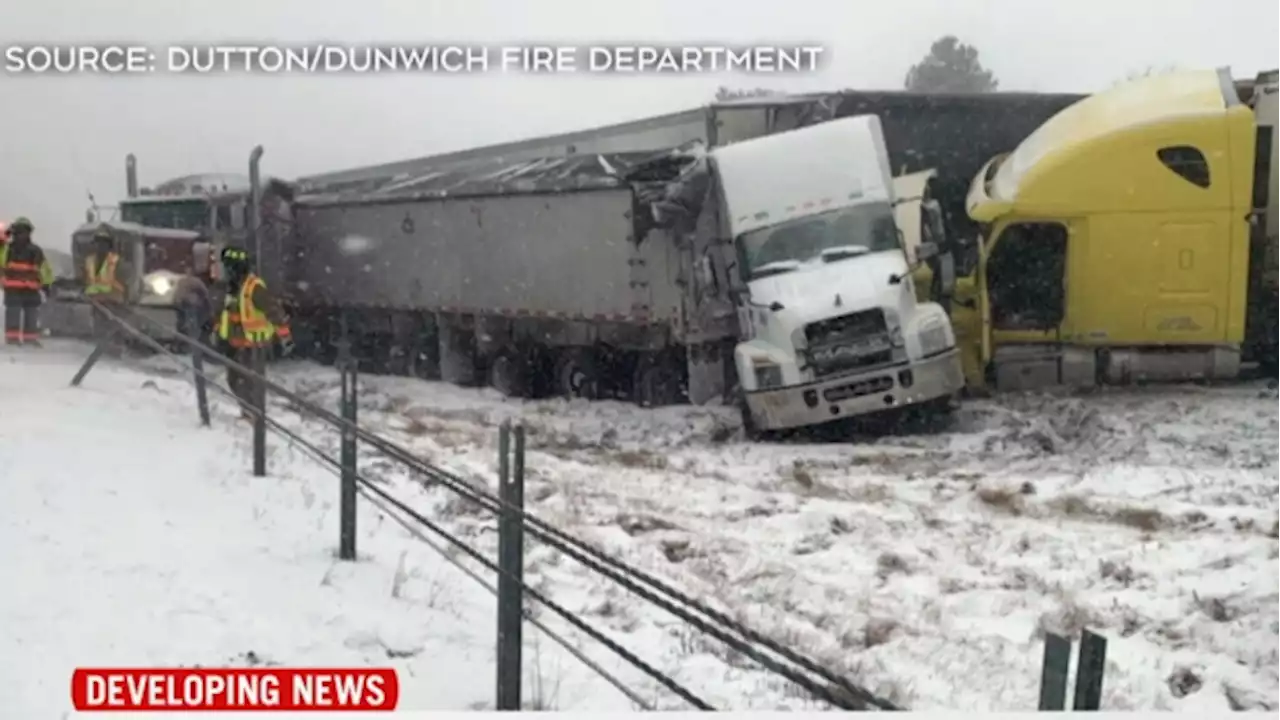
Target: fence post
<point>1053,675</point>
<point>347,504</point>
<point>192,330</point>
<point>259,366</point>
<point>1090,666</point>
<point>99,321</point>
<point>510,566</point>
<point>88,364</point>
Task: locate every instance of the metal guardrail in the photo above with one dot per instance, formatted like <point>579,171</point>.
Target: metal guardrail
<point>514,522</point>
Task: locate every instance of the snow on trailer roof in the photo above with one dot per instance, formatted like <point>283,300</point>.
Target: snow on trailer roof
<point>129,227</point>
<point>513,150</point>
<point>498,177</point>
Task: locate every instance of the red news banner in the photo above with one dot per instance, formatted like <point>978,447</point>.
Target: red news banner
<point>234,689</point>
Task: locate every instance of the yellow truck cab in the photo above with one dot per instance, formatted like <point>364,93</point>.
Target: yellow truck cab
<point>1121,241</point>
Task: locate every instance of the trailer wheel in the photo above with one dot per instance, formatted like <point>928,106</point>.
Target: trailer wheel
<point>577,375</point>
<point>656,383</point>
<point>508,374</point>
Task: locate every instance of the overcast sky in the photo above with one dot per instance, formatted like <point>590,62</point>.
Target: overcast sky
<point>63,136</point>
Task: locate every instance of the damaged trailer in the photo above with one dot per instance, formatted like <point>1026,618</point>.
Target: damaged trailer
<point>572,276</point>
<point>559,266</point>
<point>952,133</point>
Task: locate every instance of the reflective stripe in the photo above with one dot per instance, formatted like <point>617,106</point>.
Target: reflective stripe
<point>102,281</point>
<point>238,310</point>
<point>23,270</point>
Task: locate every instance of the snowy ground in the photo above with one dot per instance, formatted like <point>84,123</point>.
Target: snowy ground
<point>130,536</point>
<point>925,566</point>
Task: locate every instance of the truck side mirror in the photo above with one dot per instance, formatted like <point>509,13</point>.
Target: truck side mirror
<point>946,279</point>
<point>935,223</point>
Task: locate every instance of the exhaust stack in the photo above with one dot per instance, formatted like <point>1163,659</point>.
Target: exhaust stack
<point>131,176</point>
<point>255,199</point>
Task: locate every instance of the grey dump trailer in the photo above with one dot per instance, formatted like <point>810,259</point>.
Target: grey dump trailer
<point>559,265</point>
<point>544,278</point>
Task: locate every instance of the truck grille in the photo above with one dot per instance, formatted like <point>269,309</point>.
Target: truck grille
<point>845,327</point>
<point>858,389</point>
<point>848,342</point>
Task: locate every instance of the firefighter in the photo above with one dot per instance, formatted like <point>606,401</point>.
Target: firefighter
<point>101,268</point>
<point>251,321</point>
<point>102,283</point>
<point>26,281</point>
<point>191,295</point>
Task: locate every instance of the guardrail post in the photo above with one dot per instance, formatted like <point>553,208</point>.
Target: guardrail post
<point>99,316</point>
<point>1053,675</point>
<point>258,364</point>
<point>89,362</point>
<point>347,367</point>
<point>1090,666</point>
<point>191,329</point>
<point>510,566</point>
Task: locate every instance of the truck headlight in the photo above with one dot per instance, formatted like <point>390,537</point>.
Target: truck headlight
<point>933,339</point>
<point>895,337</point>
<point>768,375</point>
<point>160,285</point>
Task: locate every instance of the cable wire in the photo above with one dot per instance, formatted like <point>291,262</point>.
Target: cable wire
<point>595,667</point>
<point>369,487</point>
<point>590,557</point>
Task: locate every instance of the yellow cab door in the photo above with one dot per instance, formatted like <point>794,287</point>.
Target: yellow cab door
<point>970,316</point>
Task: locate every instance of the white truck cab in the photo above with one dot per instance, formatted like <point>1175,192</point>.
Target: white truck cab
<point>831,327</point>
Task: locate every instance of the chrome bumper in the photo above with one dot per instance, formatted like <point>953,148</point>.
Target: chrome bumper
<point>857,394</point>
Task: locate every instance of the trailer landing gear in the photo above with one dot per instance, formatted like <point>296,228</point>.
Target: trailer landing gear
<point>655,382</point>
<point>576,374</point>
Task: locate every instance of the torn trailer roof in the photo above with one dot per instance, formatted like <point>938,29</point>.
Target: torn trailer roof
<point>492,177</point>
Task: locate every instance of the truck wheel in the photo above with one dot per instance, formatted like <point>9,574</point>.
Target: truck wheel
<point>749,428</point>
<point>508,374</point>
<point>655,384</point>
<point>576,375</point>
<point>935,415</point>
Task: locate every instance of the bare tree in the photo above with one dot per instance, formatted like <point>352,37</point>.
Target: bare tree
<point>724,94</point>
<point>1148,71</point>
<point>950,66</point>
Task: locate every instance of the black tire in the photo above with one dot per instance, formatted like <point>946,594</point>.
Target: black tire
<point>576,374</point>
<point>750,430</point>
<point>508,374</point>
<point>935,415</point>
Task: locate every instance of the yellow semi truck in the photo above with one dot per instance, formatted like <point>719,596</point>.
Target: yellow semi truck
<point>1131,238</point>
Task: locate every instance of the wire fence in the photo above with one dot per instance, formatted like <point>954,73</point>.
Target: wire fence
<point>514,521</point>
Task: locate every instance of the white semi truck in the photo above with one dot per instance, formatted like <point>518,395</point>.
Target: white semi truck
<point>831,326</point>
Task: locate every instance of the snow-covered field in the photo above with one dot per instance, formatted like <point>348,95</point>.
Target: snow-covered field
<point>925,566</point>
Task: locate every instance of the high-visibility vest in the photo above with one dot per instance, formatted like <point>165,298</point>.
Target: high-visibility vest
<point>22,268</point>
<point>101,280</point>
<point>243,324</point>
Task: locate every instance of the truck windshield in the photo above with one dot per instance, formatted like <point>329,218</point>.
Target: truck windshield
<point>173,214</point>
<point>826,237</point>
